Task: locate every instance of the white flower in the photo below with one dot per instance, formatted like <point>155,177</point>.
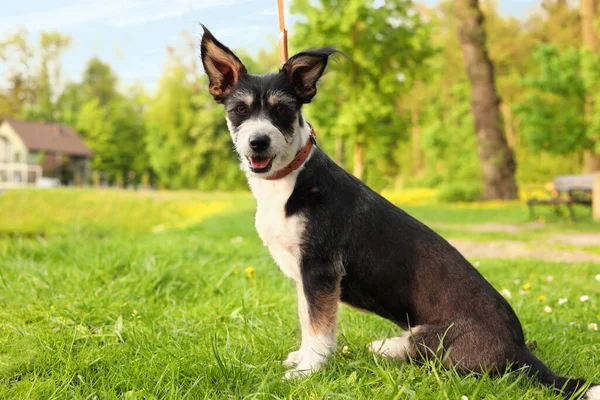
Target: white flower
<point>507,293</point>
<point>549,278</point>
<point>593,326</point>
<point>463,397</point>
<point>584,298</point>
<point>345,349</point>
<point>476,264</point>
<point>548,309</point>
<point>521,292</point>
<point>598,277</point>
<point>562,301</point>
<point>517,281</point>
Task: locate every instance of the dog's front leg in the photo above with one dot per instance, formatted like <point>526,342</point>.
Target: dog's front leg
<point>318,297</point>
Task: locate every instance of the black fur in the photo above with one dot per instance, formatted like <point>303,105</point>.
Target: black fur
<point>398,268</point>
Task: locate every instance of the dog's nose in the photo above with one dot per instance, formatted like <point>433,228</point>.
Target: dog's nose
<point>260,142</point>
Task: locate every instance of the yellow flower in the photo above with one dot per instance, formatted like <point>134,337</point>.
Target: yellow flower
<point>250,272</point>
<point>527,286</point>
<point>542,298</point>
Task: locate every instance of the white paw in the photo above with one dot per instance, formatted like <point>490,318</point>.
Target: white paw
<point>304,369</point>
<point>392,347</point>
<point>293,359</point>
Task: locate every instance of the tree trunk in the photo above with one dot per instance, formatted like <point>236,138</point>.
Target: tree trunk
<point>588,10</point>
<point>339,150</point>
<point>359,163</point>
<point>498,164</point>
<point>417,153</point>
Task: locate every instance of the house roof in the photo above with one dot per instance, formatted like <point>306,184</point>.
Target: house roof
<point>47,136</point>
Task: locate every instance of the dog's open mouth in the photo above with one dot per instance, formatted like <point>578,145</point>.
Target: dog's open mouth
<point>260,164</point>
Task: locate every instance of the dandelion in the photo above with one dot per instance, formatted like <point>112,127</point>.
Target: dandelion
<point>345,350</point>
<point>507,293</point>
<point>517,281</point>
<point>593,326</point>
<point>548,309</point>
<point>562,301</point>
<point>249,272</point>
<point>542,298</point>
<point>527,286</point>
<point>549,278</point>
<point>584,298</point>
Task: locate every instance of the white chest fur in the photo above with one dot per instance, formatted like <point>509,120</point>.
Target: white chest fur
<point>281,234</point>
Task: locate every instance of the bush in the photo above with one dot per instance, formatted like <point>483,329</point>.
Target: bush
<point>459,191</point>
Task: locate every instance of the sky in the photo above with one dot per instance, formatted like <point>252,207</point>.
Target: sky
<point>132,35</point>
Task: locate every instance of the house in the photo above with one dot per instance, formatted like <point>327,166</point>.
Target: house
<point>31,151</point>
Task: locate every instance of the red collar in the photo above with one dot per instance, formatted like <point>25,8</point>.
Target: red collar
<point>298,160</point>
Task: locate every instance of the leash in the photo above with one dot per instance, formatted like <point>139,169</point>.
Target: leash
<point>283,45</point>
<point>283,57</point>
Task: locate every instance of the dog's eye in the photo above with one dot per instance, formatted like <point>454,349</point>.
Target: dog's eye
<point>281,109</point>
<point>242,110</point>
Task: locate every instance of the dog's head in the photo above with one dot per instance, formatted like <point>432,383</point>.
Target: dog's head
<point>263,112</point>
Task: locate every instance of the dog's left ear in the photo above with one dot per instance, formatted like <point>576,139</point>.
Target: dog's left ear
<point>223,67</point>
<point>304,70</point>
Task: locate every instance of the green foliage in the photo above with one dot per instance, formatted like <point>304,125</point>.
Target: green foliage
<point>554,114</point>
<point>459,192</point>
<point>188,142</point>
<point>386,45</point>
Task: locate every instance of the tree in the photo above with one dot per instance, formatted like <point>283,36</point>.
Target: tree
<point>497,160</point>
<point>387,44</point>
<point>187,141</point>
<point>591,47</point>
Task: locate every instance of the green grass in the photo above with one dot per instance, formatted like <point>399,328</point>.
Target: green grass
<point>117,295</point>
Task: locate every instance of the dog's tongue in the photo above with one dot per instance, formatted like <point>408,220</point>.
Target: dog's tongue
<point>259,162</point>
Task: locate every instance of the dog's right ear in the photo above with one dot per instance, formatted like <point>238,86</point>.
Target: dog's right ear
<point>223,68</point>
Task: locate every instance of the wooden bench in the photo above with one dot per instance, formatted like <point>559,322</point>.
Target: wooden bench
<point>568,190</point>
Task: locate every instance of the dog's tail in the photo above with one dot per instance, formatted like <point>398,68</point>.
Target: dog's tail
<point>534,368</point>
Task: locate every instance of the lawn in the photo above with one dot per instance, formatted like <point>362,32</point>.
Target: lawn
<point>165,295</point>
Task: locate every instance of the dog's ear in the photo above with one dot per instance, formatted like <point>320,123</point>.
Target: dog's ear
<point>223,67</point>
<point>304,70</point>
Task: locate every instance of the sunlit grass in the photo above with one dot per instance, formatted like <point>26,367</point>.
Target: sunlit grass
<point>199,310</point>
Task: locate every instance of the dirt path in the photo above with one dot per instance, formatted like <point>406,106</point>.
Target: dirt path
<point>515,249</point>
<point>536,249</point>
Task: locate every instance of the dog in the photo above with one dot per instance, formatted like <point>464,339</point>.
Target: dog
<point>338,240</point>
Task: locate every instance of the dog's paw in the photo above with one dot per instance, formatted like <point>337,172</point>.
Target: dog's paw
<point>392,347</point>
<point>293,359</point>
<point>306,367</point>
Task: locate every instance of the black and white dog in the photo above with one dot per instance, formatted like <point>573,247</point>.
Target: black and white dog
<point>340,241</point>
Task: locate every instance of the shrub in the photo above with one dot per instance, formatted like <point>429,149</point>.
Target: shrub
<point>459,191</point>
